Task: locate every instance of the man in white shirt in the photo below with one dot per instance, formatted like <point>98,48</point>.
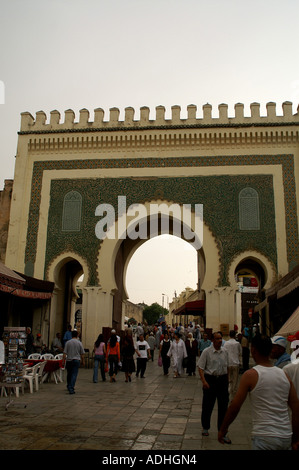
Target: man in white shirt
<point>73,354</point>
<point>143,352</point>
<point>212,367</point>
<point>234,350</point>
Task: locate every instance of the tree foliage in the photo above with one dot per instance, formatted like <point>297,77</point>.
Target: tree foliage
<point>152,313</point>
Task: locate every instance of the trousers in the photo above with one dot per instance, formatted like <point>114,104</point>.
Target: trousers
<point>99,361</point>
<point>218,390</point>
<point>141,365</point>
<point>271,443</point>
<point>72,368</point>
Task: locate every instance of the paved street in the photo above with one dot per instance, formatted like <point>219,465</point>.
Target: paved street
<point>156,413</point>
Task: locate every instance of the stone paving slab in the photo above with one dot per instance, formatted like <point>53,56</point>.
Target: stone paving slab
<point>156,413</point>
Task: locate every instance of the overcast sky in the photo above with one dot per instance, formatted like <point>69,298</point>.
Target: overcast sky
<point>74,54</point>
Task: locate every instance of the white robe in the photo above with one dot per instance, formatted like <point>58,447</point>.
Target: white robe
<point>178,352</point>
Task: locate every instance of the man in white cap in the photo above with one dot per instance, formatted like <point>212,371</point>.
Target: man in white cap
<point>279,345</point>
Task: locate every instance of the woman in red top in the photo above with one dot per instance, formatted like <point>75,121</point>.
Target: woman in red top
<point>113,355</point>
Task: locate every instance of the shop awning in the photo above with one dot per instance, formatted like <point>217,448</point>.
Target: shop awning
<point>20,285</point>
<point>285,286</point>
<point>289,288</point>
<point>191,308</point>
<point>27,294</point>
<point>10,277</point>
<point>291,326</point>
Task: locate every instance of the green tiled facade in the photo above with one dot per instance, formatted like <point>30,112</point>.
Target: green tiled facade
<point>218,194</point>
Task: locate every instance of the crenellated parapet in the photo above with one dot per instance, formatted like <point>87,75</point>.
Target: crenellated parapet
<point>68,123</point>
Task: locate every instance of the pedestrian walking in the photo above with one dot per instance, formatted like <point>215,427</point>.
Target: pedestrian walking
<point>99,358</point>
<point>279,346</point>
<point>272,394</point>
<point>158,336</point>
<point>204,343</point>
<point>178,353</point>
<point>73,354</point>
<point>113,355</point>
<point>163,350</point>
<point>192,353</point>
<point>245,352</point>
<point>212,366</point>
<point>143,352</point>
<point>234,350</point>
<point>127,355</point>
<point>197,333</point>
<point>152,344</point>
<point>139,331</point>
<point>67,335</point>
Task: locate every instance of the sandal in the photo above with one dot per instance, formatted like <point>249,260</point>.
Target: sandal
<point>205,433</point>
<point>227,440</point>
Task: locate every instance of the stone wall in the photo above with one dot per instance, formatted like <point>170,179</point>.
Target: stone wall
<point>5,201</point>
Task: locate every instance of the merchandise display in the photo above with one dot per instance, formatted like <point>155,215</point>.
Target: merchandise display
<point>14,339</point>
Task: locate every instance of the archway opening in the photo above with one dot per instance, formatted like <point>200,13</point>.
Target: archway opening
<point>251,278</point>
<point>68,279</point>
<point>159,270</point>
<point>163,265</point>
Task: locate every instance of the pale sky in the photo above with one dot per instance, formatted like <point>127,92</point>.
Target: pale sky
<point>74,54</point>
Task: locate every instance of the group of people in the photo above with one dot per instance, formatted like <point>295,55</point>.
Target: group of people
<point>269,384</point>
<point>38,345</point>
<point>118,354</point>
<point>180,346</point>
<point>34,345</point>
<point>272,384</point>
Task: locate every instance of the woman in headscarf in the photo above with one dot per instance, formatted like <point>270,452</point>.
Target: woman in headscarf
<point>192,351</point>
<point>178,352</point>
<point>164,348</point>
<point>128,351</point>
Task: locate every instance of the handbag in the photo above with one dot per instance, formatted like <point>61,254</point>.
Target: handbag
<point>160,361</point>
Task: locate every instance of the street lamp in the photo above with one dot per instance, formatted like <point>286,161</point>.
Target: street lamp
<point>163,300</point>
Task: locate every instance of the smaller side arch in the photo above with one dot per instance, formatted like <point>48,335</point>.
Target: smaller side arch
<point>259,258</point>
<point>57,263</point>
<point>64,271</point>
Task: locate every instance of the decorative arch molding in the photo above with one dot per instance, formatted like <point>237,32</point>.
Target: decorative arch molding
<point>259,258</point>
<point>62,259</point>
<point>109,248</point>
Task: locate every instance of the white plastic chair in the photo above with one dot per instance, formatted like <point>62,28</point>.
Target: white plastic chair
<point>39,374</point>
<point>34,356</point>
<point>47,357</point>
<point>59,357</point>
<point>30,375</point>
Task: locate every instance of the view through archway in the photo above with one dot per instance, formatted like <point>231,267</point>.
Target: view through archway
<point>161,267</point>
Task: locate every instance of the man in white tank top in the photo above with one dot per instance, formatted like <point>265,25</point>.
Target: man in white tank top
<point>272,394</point>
